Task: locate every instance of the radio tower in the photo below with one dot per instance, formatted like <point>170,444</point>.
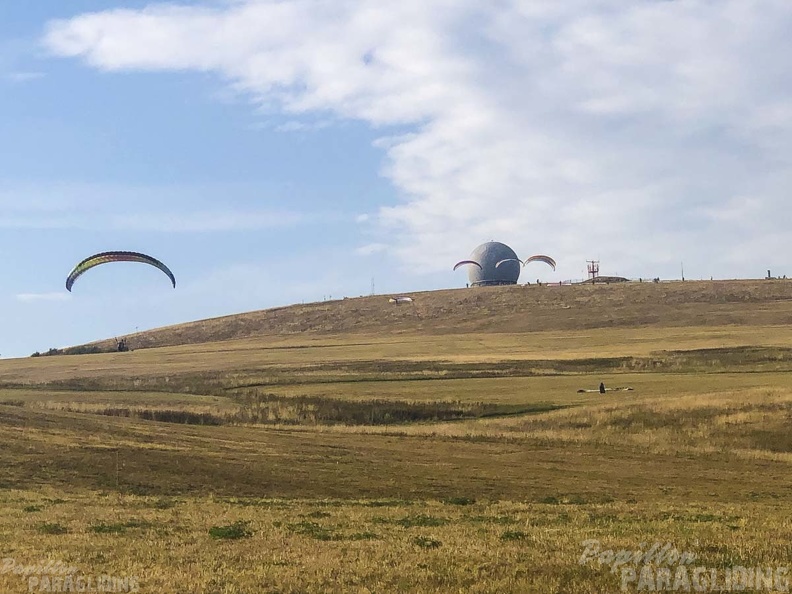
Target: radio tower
<point>593,269</point>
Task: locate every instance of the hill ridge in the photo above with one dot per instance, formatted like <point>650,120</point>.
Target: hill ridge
<point>513,309</point>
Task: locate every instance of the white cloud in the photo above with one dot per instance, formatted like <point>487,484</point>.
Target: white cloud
<point>169,222</point>
<point>22,77</point>
<point>626,131</point>
<point>371,248</point>
<point>28,297</point>
<point>205,221</point>
<point>299,126</point>
<point>156,208</point>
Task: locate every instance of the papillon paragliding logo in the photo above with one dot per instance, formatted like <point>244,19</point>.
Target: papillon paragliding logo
<point>56,576</point>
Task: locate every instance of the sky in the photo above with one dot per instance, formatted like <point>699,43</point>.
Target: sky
<point>277,152</point>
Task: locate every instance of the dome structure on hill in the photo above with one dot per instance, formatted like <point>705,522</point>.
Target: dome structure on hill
<point>488,255</point>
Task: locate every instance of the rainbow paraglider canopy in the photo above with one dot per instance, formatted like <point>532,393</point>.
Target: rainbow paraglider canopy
<point>107,257</point>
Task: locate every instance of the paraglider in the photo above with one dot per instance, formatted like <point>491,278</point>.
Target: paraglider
<point>494,263</point>
<point>463,262</point>
<point>602,389</point>
<point>106,257</point>
<point>540,258</point>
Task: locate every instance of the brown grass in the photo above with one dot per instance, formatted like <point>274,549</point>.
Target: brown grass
<point>486,310</point>
<point>333,545</point>
<point>697,454</point>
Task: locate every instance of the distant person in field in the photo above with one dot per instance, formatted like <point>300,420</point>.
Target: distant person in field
<point>602,387</point>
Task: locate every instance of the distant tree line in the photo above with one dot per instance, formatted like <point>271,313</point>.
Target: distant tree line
<point>78,350</point>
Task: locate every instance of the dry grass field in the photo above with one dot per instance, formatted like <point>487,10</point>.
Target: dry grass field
<point>355,446</point>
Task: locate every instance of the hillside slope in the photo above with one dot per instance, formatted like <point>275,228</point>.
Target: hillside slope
<point>501,309</point>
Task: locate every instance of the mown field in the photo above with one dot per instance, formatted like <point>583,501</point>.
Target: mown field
<point>411,457</point>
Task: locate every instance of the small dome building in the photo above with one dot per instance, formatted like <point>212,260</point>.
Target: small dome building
<point>488,255</point>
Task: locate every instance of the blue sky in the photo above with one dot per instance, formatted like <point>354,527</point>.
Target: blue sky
<point>278,152</point>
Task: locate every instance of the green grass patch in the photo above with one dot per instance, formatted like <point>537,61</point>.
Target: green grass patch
<point>313,530</point>
<point>426,542</point>
<point>233,531</point>
<point>459,501</point>
<point>363,536</point>
<point>388,503</point>
<point>52,528</point>
<point>513,535</point>
<point>118,527</point>
<point>422,520</point>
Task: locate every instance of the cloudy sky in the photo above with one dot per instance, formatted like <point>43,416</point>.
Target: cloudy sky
<point>274,152</point>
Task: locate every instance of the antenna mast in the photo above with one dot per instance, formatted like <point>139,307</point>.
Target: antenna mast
<point>593,269</point>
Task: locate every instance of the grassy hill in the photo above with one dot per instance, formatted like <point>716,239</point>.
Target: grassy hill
<point>441,446</point>
<point>512,309</point>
